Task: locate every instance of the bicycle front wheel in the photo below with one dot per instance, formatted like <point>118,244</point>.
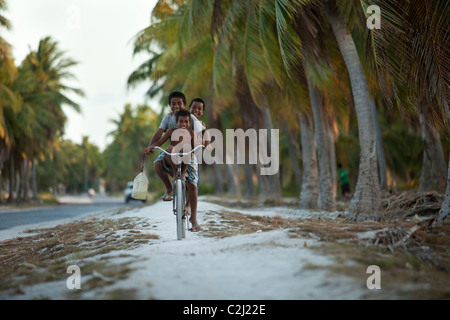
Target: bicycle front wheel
<point>179,208</point>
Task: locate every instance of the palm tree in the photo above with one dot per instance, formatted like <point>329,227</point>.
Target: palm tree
<point>366,201</point>
<point>5,47</point>
<point>8,98</point>
<point>123,156</point>
<point>269,47</point>
<point>41,118</point>
<point>326,195</point>
<point>202,67</point>
<point>412,55</point>
<point>309,190</point>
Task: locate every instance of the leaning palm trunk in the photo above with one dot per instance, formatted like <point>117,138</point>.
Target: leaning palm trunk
<point>214,122</point>
<point>310,184</point>
<point>233,180</point>
<point>331,141</point>
<point>293,153</point>
<point>273,179</point>
<point>232,170</point>
<point>366,201</point>
<point>326,199</point>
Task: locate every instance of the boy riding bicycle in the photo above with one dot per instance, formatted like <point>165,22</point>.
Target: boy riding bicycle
<point>182,137</point>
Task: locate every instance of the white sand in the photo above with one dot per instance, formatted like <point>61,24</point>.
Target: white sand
<point>258,266</point>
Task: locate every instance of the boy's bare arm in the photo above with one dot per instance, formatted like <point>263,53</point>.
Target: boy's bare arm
<point>166,136</point>
<point>160,142</point>
<point>156,136</point>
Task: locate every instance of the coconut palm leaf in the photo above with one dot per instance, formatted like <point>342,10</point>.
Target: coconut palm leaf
<point>412,55</point>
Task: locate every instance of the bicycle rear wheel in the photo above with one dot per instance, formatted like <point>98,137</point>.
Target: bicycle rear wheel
<point>179,208</point>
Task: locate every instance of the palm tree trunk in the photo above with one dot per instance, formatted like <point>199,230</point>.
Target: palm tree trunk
<point>380,151</point>
<point>19,183</point>
<point>332,141</point>
<point>326,199</point>
<point>214,122</point>
<point>248,179</point>
<point>426,183</point>
<point>310,182</point>
<point>257,118</point>
<point>274,179</point>
<point>249,187</point>
<point>33,180</point>
<point>233,185</point>
<point>218,178</point>
<point>26,180</point>
<point>11,179</point>
<point>292,149</point>
<point>433,163</point>
<point>366,201</point>
<point>263,185</point>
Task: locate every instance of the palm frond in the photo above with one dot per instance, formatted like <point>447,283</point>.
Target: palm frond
<point>290,43</point>
<point>411,54</point>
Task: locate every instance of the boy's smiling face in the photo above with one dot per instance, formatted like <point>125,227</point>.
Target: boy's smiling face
<point>176,104</point>
<point>183,122</point>
<point>197,109</point>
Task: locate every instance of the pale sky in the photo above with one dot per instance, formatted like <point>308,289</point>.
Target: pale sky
<point>97,34</point>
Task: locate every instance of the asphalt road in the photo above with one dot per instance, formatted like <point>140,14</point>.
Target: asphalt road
<point>71,207</point>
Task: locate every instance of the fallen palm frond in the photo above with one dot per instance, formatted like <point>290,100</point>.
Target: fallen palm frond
<point>394,236</point>
<point>410,203</point>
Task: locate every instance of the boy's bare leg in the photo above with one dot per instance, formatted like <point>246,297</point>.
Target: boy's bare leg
<point>164,176</point>
<point>183,170</point>
<point>192,194</point>
<point>188,207</point>
<point>183,174</point>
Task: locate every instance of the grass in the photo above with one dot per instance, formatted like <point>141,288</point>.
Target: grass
<point>418,270</point>
<point>45,255</point>
<point>232,223</point>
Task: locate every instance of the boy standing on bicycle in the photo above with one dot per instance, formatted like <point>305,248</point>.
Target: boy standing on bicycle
<point>181,136</point>
<point>196,108</point>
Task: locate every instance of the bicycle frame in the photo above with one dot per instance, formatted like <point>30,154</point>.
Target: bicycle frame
<point>180,194</point>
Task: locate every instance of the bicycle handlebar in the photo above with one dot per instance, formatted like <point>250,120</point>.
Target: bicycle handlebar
<point>170,154</point>
<point>179,153</point>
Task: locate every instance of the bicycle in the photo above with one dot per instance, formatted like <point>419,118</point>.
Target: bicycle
<point>180,194</point>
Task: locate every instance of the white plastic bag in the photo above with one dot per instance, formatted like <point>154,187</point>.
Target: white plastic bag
<point>140,186</point>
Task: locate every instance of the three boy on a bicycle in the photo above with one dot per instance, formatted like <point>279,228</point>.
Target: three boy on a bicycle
<point>179,118</point>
